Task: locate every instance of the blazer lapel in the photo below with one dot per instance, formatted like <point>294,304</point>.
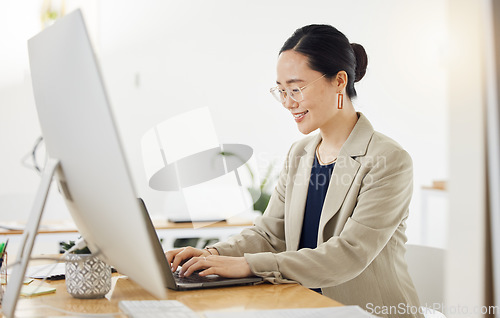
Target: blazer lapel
<point>297,206</point>
<point>345,170</point>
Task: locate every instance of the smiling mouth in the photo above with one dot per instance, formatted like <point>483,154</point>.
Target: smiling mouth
<point>299,115</point>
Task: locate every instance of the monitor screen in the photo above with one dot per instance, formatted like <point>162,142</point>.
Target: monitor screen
<point>79,131</point>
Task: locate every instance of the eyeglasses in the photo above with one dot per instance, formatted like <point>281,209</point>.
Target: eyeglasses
<point>295,93</point>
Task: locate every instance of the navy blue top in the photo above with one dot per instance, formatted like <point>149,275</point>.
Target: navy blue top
<point>316,193</point>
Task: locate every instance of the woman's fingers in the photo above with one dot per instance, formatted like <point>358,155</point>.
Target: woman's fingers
<point>233,267</point>
<point>194,264</point>
<point>179,256</point>
<point>193,259</point>
<point>171,254</point>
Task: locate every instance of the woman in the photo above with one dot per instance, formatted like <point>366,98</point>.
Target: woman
<point>336,219</point>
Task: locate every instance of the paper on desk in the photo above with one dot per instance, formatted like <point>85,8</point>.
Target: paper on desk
<point>333,312</point>
<point>34,290</point>
<point>51,271</point>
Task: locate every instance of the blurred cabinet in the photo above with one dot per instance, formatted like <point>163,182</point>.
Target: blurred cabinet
<point>48,238</point>
<point>434,217</point>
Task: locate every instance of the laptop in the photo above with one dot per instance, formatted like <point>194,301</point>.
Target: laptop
<point>173,281</point>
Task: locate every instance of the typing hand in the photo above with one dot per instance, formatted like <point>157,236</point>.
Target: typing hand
<point>179,256</point>
<point>226,266</point>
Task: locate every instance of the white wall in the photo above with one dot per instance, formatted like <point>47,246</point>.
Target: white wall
<point>229,66</point>
<point>222,54</point>
<point>19,128</point>
<point>18,119</point>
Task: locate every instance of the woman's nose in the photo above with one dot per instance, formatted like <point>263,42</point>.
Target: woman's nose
<point>289,103</point>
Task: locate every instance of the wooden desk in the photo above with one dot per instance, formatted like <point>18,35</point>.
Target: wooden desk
<point>264,296</point>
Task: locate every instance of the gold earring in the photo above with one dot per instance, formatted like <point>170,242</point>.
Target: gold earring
<point>340,100</point>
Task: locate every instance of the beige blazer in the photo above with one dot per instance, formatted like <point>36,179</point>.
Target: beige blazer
<point>359,259</point>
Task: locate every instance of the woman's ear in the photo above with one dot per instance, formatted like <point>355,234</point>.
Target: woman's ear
<point>340,81</point>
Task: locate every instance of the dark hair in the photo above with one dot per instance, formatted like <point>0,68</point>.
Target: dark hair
<point>329,52</point>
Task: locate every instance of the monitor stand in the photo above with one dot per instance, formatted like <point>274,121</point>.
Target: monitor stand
<point>16,279</point>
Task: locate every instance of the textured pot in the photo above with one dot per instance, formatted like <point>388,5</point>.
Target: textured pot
<point>87,276</point>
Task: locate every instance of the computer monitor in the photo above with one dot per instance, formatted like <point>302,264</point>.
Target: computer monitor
<point>81,136</point>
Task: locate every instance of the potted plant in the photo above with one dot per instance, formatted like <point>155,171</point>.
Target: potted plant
<point>260,192</point>
<point>86,275</point>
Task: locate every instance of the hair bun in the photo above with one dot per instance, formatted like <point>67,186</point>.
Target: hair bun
<point>361,61</point>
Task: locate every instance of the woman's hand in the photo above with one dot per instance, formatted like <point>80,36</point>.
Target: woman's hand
<point>179,256</point>
<point>195,259</point>
<point>226,266</point>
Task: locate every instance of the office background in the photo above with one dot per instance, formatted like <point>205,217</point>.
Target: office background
<point>163,58</point>
<point>424,88</point>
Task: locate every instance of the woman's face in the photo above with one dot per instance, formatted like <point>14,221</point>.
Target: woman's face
<point>319,103</point>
